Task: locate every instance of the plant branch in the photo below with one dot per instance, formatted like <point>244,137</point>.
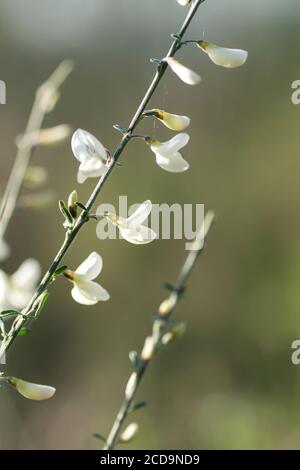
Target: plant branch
<point>71,234</point>
<point>161,327</point>
<point>44,101</point>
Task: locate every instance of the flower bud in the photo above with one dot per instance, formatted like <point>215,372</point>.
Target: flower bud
<point>30,390</point>
<point>131,384</point>
<point>148,349</point>
<point>129,432</point>
<point>72,204</point>
<point>175,332</point>
<point>54,135</point>
<point>167,305</point>
<point>223,56</point>
<point>174,122</point>
<point>187,75</point>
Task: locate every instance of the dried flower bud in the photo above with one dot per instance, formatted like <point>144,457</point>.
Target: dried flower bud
<point>131,384</point>
<point>129,432</point>
<point>148,349</point>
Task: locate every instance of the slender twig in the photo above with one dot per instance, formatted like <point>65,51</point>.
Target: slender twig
<point>161,326</point>
<point>43,103</point>
<point>72,233</point>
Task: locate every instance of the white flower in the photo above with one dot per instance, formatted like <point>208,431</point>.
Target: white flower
<point>167,153</point>
<point>187,75</point>
<point>85,290</point>
<point>17,290</point>
<point>230,58</point>
<point>184,2</point>
<point>4,249</point>
<point>132,228</point>
<point>92,155</point>
<point>174,122</point>
<point>30,390</point>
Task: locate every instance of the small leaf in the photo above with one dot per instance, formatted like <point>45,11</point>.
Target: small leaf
<point>64,210</point>
<point>135,360</point>
<point>169,286</point>
<point>99,436</point>
<point>5,313</point>
<point>120,128</point>
<point>60,270</point>
<point>137,406</point>
<point>24,331</point>
<point>42,303</point>
<point>79,204</point>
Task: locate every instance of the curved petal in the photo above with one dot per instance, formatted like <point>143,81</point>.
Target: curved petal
<point>85,145</point>
<point>81,177</point>
<point>174,121</point>
<point>187,75</point>
<point>140,215</point>
<point>89,293</point>
<point>225,57</point>
<point>138,236</point>
<point>33,391</point>
<point>91,267</point>
<point>174,163</point>
<point>171,146</point>
<point>27,276</point>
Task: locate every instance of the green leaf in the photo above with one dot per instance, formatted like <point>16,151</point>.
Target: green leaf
<point>79,204</point>
<point>65,212</point>
<point>99,436</point>
<point>137,406</point>
<point>42,303</point>
<point>5,313</point>
<point>24,331</point>
<point>120,128</point>
<point>60,270</point>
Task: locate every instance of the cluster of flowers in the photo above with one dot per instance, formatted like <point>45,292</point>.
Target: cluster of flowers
<point>94,162</point>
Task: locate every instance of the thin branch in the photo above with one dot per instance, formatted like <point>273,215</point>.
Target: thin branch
<point>72,233</point>
<point>161,327</point>
<point>44,100</point>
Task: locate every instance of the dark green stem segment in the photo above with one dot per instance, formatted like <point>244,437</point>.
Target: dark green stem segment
<point>162,323</point>
<point>71,235</point>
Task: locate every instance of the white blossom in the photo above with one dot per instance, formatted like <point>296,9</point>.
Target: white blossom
<point>167,153</point>
<point>187,75</point>
<point>223,56</point>
<point>91,154</point>
<point>132,228</point>
<point>16,290</point>
<point>85,290</point>
<point>184,2</point>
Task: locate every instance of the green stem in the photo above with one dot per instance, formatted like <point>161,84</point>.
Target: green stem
<point>70,237</point>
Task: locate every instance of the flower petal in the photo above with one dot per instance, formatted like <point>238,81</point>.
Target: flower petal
<point>174,121</point>
<point>89,293</point>
<point>31,390</point>
<point>223,56</point>
<point>184,2</point>
<point>174,163</point>
<point>171,146</point>
<point>84,145</point>
<point>187,75</point>
<point>28,274</point>
<point>138,236</point>
<point>91,267</point>
<point>140,215</point>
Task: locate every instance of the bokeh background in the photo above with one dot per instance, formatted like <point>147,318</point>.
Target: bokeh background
<point>228,382</point>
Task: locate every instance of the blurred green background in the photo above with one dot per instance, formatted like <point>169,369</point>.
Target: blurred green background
<point>228,382</point>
